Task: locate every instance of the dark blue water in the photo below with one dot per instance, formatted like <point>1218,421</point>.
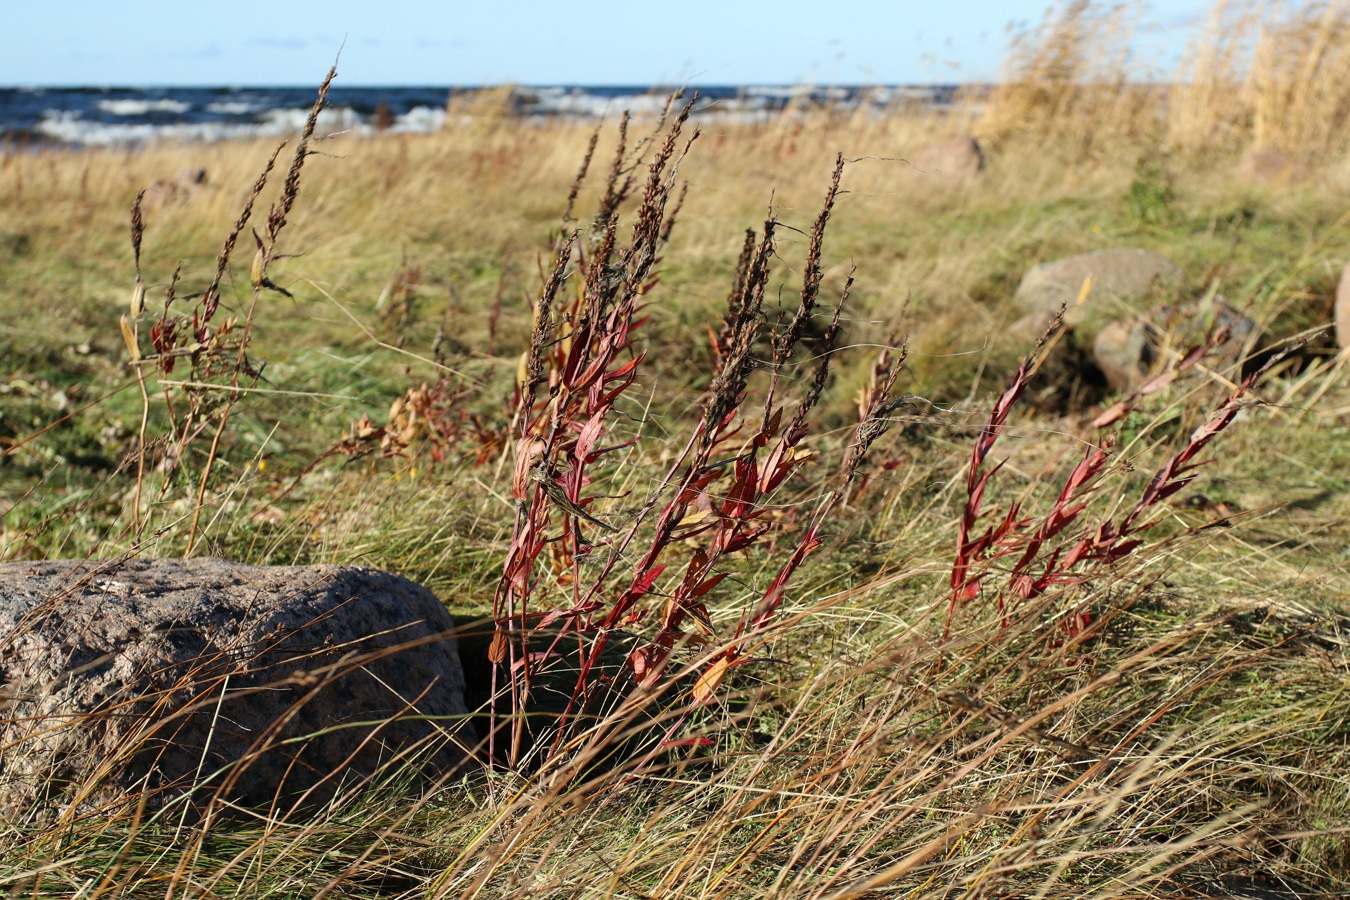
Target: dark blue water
<point>116,115</point>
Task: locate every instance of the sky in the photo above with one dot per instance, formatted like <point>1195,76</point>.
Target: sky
<point>143,43</point>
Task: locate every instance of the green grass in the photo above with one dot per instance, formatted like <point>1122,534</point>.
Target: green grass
<point>840,765</point>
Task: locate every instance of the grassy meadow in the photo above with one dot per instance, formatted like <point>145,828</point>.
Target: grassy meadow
<point>857,695</point>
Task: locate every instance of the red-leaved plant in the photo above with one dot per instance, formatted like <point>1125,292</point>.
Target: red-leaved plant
<point>1039,560</point>
<point>715,496</point>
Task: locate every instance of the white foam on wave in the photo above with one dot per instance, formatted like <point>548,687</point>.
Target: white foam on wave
<point>421,120</point>
<point>128,107</point>
<point>231,107</point>
<point>286,121</point>
<point>70,127</point>
<point>564,102</point>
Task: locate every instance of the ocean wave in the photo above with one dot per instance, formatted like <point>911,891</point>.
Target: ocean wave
<point>232,107</point>
<point>286,121</point>
<point>577,102</point>
<point>130,107</point>
<point>70,128</point>
<point>421,120</point>
<point>103,116</point>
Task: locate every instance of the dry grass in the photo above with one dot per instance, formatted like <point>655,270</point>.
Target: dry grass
<point>1255,76</point>
<point>1268,77</point>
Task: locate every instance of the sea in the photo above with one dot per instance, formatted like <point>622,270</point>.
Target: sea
<point>103,116</point>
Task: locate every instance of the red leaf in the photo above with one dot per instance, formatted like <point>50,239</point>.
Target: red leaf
<point>647,663</point>
<point>696,486</point>
<point>697,562</point>
<point>610,449</point>
<point>626,369</point>
<point>1122,550</point>
<point>707,585</point>
<point>770,428</point>
<point>1157,383</point>
<point>1114,413</point>
<point>590,433</point>
<point>640,586</point>
<point>743,540</point>
<point>590,374</point>
<point>550,617</point>
<point>629,375</point>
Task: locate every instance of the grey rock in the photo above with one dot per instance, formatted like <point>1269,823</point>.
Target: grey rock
<point>1120,278</point>
<point>1189,324</point>
<point>956,159</point>
<point>1244,336</point>
<point>269,687</point>
<point>1124,351</point>
<point>185,186</point>
<point>1271,167</point>
<point>1342,310</point>
<point>1127,349</point>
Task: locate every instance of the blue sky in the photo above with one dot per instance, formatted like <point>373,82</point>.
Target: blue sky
<point>596,42</point>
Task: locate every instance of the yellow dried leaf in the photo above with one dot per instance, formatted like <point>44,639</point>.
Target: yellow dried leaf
<point>694,518</point>
<point>363,428</point>
<point>1084,291</point>
<point>259,272</point>
<point>129,338</point>
<point>565,341</point>
<point>522,370</point>
<point>712,677</point>
<point>138,298</point>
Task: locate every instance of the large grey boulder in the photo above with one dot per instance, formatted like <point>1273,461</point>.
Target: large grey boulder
<point>1121,280</point>
<point>270,687</point>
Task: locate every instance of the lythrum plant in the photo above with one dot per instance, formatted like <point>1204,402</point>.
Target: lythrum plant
<point>1029,557</point>
<point>590,575</point>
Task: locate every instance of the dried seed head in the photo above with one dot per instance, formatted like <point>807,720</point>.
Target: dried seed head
<point>211,299</point>
<point>581,176</point>
<point>276,218</point>
<point>137,230</point>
